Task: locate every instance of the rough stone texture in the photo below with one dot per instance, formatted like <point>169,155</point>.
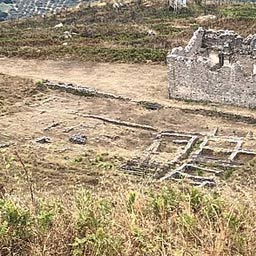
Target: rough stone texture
<point>78,139</point>
<point>215,66</point>
<point>194,152</point>
<point>43,140</point>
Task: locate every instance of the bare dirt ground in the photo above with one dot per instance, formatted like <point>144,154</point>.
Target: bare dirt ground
<point>28,113</point>
<point>137,81</point>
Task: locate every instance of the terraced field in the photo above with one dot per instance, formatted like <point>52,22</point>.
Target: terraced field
<point>136,33</point>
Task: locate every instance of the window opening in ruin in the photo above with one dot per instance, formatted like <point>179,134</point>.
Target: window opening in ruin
<point>254,69</point>
<point>221,59</point>
<point>214,58</point>
<point>227,54</point>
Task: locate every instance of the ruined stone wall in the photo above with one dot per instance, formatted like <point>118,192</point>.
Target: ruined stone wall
<point>191,76</point>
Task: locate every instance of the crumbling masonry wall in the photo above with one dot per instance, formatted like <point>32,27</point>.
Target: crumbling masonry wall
<point>215,66</point>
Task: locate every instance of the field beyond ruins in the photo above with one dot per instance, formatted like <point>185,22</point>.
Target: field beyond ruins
<point>94,157</point>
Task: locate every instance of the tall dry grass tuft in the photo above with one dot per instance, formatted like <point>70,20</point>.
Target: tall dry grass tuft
<point>145,221</point>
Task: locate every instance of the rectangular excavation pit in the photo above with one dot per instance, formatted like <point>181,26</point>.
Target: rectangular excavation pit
<point>244,157</point>
<point>169,151</point>
<point>200,180</point>
<point>164,158</point>
<point>222,144</point>
<point>208,153</point>
<point>150,168</point>
<point>200,171</point>
<point>168,145</point>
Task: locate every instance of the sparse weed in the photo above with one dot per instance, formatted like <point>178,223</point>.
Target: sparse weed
<point>165,202</point>
<point>148,225</point>
<point>187,221</point>
<point>103,161</point>
<point>15,225</point>
<point>46,212</point>
<point>39,83</point>
<point>130,201</point>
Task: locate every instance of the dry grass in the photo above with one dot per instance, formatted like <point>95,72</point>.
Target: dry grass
<point>87,207</point>
<point>106,35</point>
<point>80,203</point>
<point>135,220</point>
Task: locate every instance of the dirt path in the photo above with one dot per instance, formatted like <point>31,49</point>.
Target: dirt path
<point>136,81</point>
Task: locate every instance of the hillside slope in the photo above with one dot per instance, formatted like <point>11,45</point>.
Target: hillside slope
<point>96,160</point>
<point>13,9</point>
<point>135,33</point>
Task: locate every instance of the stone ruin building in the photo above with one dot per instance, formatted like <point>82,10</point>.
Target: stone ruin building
<point>215,66</point>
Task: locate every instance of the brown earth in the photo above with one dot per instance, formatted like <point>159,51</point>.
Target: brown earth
<point>138,81</point>
<point>29,110</point>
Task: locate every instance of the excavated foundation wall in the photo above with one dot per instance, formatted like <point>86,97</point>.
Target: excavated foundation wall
<point>194,76</point>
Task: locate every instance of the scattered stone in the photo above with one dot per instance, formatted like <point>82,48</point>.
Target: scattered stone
<point>60,25</point>
<point>78,139</point>
<point>51,126</point>
<point>4,145</point>
<point>118,6</point>
<point>67,35</point>
<point>177,5</point>
<point>150,105</point>
<point>43,140</point>
<point>68,129</point>
<point>151,32</point>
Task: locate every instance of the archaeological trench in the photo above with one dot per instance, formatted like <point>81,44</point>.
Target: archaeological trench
<point>216,66</point>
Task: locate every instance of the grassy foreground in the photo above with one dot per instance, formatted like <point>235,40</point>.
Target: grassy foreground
<point>122,215</point>
<point>142,220</point>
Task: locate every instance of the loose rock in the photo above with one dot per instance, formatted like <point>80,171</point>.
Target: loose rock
<point>5,145</point>
<point>43,140</point>
<point>78,139</point>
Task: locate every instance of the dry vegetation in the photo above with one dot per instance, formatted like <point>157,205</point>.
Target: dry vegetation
<point>66,199</point>
<point>135,220</point>
<point>104,34</point>
<point>62,200</point>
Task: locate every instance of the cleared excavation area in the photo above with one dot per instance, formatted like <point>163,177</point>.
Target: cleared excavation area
<point>57,130</point>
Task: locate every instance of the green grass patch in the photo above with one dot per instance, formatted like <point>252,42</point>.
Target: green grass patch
<point>245,10</point>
